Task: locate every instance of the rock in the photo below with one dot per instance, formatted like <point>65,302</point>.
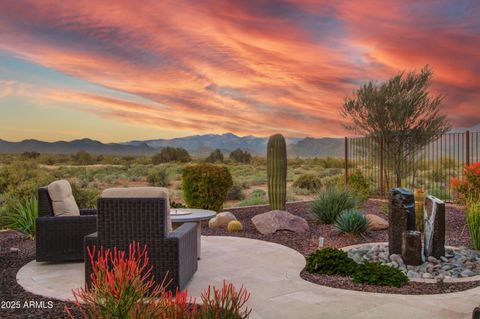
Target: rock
<point>432,260</point>
<point>14,250</point>
<point>376,222</point>
<point>270,222</point>
<point>221,220</point>
<point>396,258</point>
<point>427,276</point>
<point>467,273</point>
<point>444,259</point>
<point>413,274</point>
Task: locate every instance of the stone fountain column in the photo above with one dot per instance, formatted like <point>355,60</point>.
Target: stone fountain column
<point>434,227</point>
<point>401,217</point>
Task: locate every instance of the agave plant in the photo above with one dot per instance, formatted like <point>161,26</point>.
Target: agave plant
<point>23,217</point>
<point>351,222</point>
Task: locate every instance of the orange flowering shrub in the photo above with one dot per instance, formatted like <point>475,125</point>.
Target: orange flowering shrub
<point>469,187</point>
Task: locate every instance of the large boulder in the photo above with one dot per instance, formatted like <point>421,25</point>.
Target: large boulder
<point>376,222</point>
<point>221,220</point>
<point>270,222</point>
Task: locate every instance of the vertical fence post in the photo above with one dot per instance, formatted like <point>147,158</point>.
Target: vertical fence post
<point>382,191</point>
<point>346,160</point>
<point>467,147</point>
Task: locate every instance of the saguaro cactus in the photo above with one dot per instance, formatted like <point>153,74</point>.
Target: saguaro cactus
<point>277,171</point>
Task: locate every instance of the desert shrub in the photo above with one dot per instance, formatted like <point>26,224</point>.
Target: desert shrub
<point>86,197</point>
<point>469,187</point>
<point>359,184</point>
<point>331,202</point>
<point>23,217</point>
<point>333,181</point>
<point>351,222</point>
<point>257,197</point>
<point>235,193</point>
<point>331,261</point>
<point>83,158</point>
<point>215,156</point>
<point>380,275</point>
<point>438,191</point>
<point>158,177</point>
<point>300,191</point>
<point>473,221</point>
<point>171,154</point>
<point>309,182</point>
<point>332,162</point>
<point>206,186</point>
<point>241,156</point>
<point>29,155</point>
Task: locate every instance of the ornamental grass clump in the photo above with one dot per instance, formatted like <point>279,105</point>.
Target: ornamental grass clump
<point>351,222</point>
<point>473,221</point>
<point>331,202</point>
<point>23,218</point>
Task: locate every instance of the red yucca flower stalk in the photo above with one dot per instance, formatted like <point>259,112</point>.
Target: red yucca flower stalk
<point>469,187</point>
<point>123,287</point>
<point>225,303</point>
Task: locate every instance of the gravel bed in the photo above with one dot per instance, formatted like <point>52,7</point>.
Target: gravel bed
<point>306,243</point>
<point>15,252</point>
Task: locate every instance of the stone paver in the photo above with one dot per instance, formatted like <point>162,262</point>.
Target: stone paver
<point>271,273</point>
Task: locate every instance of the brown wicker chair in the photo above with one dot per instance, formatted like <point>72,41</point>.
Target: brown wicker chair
<point>124,220</point>
<point>61,238</point>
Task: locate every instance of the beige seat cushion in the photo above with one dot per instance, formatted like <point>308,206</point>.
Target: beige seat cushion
<point>63,202</point>
<point>141,192</point>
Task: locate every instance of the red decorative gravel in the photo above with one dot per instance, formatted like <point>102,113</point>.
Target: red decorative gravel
<point>305,243</point>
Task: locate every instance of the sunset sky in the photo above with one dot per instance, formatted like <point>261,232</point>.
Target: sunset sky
<point>123,70</point>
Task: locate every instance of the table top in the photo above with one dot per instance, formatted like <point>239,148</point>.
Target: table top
<point>195,216</point>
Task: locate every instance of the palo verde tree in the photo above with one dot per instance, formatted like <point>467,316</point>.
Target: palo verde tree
<point>400,113</point>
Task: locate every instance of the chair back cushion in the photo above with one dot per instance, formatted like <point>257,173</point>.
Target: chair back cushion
<point>63,203</point>
<point>141,192</point>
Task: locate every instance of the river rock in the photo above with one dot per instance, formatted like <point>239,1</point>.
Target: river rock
<point>221,220</point>
<point>270,222</point>
<point>376,222</point>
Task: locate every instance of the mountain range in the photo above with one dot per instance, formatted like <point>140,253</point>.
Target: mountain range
<point>196,145</point>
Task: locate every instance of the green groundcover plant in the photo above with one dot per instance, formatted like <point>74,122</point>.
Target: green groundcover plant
<point>380,275</point>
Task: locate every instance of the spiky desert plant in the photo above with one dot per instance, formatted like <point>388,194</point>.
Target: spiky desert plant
<point>24,216</point>
<point>277,171</point>
<point>351,222</point>
<point>473,221</point>
<point>225,303</point>
<point>234,226</point>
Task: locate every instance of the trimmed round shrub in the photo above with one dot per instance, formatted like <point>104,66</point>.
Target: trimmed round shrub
<point>331,202</point>
<point>309,182</point>
<point>206,186</point>
<point>351,222</point>
<point>158,177</point>
<point>380,275</point>
<point>331,261</point>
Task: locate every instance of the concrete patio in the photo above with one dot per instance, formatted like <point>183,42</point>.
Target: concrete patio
<point>270,272</point>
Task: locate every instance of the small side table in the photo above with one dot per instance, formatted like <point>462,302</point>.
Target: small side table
<point>196,216</point>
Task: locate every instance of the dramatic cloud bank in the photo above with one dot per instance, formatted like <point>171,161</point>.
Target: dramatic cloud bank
<point>249,67</point>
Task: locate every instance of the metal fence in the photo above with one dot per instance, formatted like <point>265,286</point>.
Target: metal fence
<point>390,161</point>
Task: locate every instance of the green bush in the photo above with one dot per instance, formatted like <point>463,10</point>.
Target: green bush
<point>241,156</point>
<point>331,261</point>
<point>23,217</point>
<point>171,154</point>
<point>309,182</point>
<point>206,186</point>
<point>215,156</point>
<point>380,275</point>
<point>86,197</point>
<point>158,177</point>
<point>359,184</point>
<point>331,202</point>
<point>351,222</point>
<point>235,193</point>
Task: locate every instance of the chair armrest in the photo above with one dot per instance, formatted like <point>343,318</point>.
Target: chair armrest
<point>88,211</point>
<point>66,220</point>
<point>183,231</point>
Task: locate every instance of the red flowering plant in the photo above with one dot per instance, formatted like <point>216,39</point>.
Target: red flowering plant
<point>469,187</point>
<point>123,287</point>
